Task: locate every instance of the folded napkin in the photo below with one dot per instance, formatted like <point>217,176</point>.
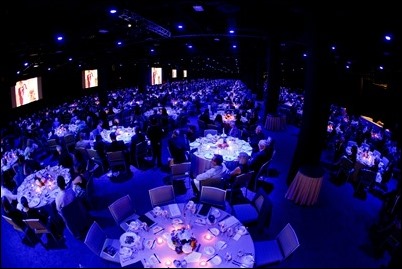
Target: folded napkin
<point>174,210</point>
<point>193,257</point>
<point>229,222</point>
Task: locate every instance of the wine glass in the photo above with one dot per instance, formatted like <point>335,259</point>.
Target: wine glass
<point>228,256</point>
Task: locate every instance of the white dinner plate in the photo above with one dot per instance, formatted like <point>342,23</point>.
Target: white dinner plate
<point>247,260</point>
<point>216,260</point>
<point>125,251</point>
<point>128,239</point>
<point>34,202</point>
<point>209,155</point>
<point>221,245</point>
<point>214,231</point>
<point>209,250</point>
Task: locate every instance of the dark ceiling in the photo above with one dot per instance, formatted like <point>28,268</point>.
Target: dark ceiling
<point>91,32</point>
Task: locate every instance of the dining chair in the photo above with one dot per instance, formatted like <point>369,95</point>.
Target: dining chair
<point>256,213</point>
<point>95,157</point>
<point>97,240</point>
<point>213,196</point>
<point>51,145</point>
<point>276,250</point>
<point>69,142</point>
<point>239,185</point>
<point>260,176</point>
<point>352,143</point>
<point>116,161</point>
<point>365,179</point>
<point>141,151</point>
<point>39,228</point>
<point>210,131</point>
<point>83,152</point>
<point>20,230</point>
<point>162,195</point>
<point>123,211</point>
<point>181,171</point>
<point>77,218</point>
<point>346,168</point>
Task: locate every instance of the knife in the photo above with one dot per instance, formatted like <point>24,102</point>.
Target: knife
<point>157,258</point>
<point>212,257</point>
<point>198,248</point>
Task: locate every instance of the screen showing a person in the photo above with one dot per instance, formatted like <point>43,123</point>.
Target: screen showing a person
<point>26,91</point>
<point>89,78</point>
<point>156,76</point>
<point>184,73</point>
<point>174,73</point>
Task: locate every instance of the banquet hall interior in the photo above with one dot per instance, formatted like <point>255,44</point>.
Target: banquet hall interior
<point>319,81</point>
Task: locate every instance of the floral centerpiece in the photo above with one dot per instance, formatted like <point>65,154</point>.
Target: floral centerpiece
<point>183,241</point>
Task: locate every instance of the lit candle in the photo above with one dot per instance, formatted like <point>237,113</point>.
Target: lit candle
<point>168,262</point>
<point>203,263</point>
<point>160,240</point>
<point>208,236</point>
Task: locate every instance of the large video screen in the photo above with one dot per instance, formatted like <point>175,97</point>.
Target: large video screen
<point>89,78</point>
<point>156,75</point>
<point>174,73</point>
<point>26,91</point>
<point>184,73</point>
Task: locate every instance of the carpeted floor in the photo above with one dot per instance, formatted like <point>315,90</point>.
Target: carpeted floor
<point>335,232</point>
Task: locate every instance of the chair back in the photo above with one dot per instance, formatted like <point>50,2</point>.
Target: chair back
<point>77,218</point>
<point>69,141</point>
<point>263,171</point>
<point>213,196</point>
<point>366,178</point>
<point>352,143</point>
<point>240,182</point>
<point>346,167</point>
<point>116,160</point>
<point>93,155</point>
<point>37,226</point>
<point>83,152</point>
<point>210,131</point>
<point>95,238</point>
<point>287,240</point>
<point>51,145</point>
<point>122,208</point>
<point>180,169</point>
<point>12,223</point>
<point>212,182</point>
<point>141,151</point>
<point>162,195</point>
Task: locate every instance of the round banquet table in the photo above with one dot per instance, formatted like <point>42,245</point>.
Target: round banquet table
<point>42,195</point>
<point>122,133</point>
<point>206,147</point>
<point>154,247</point>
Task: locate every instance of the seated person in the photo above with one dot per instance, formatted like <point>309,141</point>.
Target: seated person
<point>65,196</point>
<point>241,168</point>
<point>218,170</point>
<point>255,137</point>
<point>82,141</point>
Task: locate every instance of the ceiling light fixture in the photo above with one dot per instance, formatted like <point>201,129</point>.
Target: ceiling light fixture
<point>198,8</point>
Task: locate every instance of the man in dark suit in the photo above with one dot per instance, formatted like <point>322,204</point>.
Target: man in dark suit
<point>138,137</point>
<point>116,145</point>
<point>178,146</point>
